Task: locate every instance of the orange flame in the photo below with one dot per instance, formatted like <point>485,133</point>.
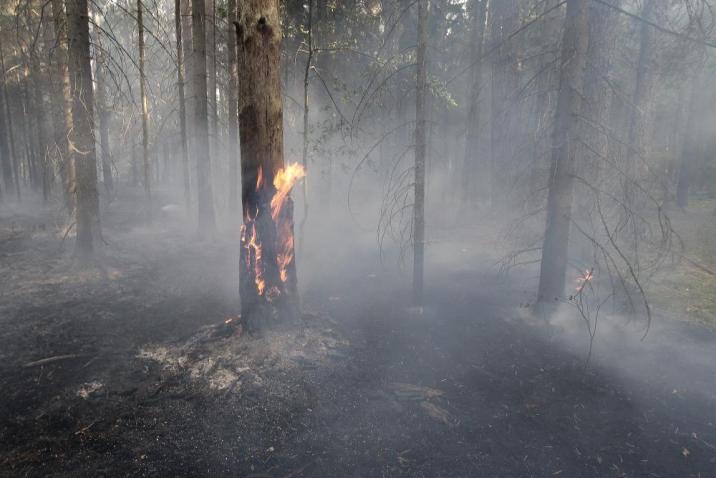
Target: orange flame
<point>583,279</point>
<point>284,181</point>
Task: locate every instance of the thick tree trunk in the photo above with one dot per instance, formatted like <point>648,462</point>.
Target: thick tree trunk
<point>207,222</point>
<point>145,109</point>
<point>419,200</point>
<point>233,110</point>
<point>182,103</point>
<point>575,41</point>
<point>471,180</point>
<point>268,283</point>
<point>82,136</point>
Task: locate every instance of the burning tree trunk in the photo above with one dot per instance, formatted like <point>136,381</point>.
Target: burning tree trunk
<point>268,284</point>
<point>419,205</point>
<point>561,179</point>
<point>82,141</point>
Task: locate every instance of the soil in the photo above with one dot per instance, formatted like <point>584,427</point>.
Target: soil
<point>128,367</point>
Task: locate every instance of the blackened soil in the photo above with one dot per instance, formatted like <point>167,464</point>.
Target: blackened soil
<point>458,389</point>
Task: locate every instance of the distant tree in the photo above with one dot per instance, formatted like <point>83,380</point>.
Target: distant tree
<point>207,221</point>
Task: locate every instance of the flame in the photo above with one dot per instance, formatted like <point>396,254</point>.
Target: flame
<point>254,257</point>
<point>584,279</point>
<point>284,181</point>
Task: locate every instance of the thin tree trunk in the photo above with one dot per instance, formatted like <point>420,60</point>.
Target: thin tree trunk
<point>145,109</point>
<point>105,116</point>
<point>233,109</point>
<point>471,166</point>
<point>419,199</point>
<point>268,282</point>
<point>207,222</point>
<point>42,172</point>
<point>5,137</point>
<point>211,77</point>
<point>10,134</point>
<point>504,18</point>
<point>304,155</point>
<point>639,104</point>
<point>82,136</point>
<point>182,103</point>
<point>691,144</point>
<point>63,95</point>
<point>575,42</point>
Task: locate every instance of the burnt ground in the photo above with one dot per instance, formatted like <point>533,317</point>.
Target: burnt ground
<point>138,385</point>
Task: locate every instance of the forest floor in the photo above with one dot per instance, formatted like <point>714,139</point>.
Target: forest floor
<point>125,369</point>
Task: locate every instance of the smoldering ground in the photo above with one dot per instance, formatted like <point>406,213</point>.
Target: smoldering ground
<point>147,383</point>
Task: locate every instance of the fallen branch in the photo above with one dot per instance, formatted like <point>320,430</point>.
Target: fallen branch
<point>53,359</point>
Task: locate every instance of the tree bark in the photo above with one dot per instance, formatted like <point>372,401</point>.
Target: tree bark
<point>268,282</point>
<point>81,136</point>
<point>105,117</point>
<point>211,76</point>
<point>182,103</point>
<point>419,199</point>
<point>471,179</point>
<point>207,222</point>
<point>14,158</point>
<point>63,103</point>
<point>691,147</point>
<point>504,18</point>
<point>232,109</point>
<point>6,159</point>
<point>304,155</point>
<point>575,42</point>
<point>639,103</point>
<point>145,109</point>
